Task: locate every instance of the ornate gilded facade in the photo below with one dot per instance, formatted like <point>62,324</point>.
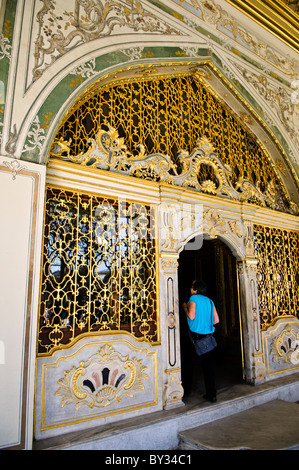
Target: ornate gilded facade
<point>131,134</point>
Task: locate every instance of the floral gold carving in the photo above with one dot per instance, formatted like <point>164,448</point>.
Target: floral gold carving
<point>108,151</point>
<point>169,265</point>
<point>105,378</point>
<point>281,167</point>
<point>213,223</point>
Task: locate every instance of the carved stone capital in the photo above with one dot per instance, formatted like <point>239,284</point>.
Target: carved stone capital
<point>169,265</point>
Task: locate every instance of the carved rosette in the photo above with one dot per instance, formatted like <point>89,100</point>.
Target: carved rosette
<point>105,378</point>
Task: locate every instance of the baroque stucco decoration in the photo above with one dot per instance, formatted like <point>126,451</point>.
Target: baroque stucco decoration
<point>279,98</point>
<point>107,151</point>
<point>61,30</point>
<point>285,346</point>
<point>213,14</point>
<point>105,378</point>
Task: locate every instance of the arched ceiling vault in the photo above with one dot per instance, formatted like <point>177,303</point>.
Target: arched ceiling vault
<point>52,52</point>
<point>215,81</point>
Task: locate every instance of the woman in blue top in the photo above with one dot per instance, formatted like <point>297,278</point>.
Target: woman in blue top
<point>202,316</point>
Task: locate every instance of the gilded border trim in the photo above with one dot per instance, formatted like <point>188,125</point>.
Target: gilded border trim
<point>85,418</point>
<point>275,16</point>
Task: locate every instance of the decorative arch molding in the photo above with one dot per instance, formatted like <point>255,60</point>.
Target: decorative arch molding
<point>184,226</point>
<point>237,234</point>
<point>35,141</point>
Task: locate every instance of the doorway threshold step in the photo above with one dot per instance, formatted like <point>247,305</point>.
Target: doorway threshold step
<point>177,427</point>
<point>270,426</point>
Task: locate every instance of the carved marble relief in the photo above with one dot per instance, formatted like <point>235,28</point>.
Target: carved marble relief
<point>281,346</point>
<point>285,346</point>
<point>173,391</point>
<point>99,377</point>
<point>105,378</point>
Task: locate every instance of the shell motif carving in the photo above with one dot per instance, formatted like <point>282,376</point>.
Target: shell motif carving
<point>285,346</point>
<point>105,378</point>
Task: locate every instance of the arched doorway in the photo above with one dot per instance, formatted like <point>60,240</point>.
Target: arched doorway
<point>216,265</point>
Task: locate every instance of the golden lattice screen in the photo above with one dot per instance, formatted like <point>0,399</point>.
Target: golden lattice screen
<point>165,115</point>
<point>277,252</point>
<point>99,269</point>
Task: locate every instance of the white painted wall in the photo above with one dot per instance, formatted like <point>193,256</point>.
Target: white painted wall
<point>21,212</point>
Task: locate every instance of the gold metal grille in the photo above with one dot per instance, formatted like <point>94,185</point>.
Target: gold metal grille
<point>165,115</point>
<point>99,269</point>
<point>278,273</point>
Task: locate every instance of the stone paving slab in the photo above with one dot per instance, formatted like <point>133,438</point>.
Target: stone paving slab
<point>270,426</point>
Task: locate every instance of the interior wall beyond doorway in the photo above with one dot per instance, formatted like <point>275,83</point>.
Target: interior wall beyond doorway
<point>215,264</point>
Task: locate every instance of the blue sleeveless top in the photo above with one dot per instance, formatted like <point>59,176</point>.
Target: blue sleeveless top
<point>204,315</point>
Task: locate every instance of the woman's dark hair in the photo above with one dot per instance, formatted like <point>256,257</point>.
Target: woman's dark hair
<point>199,286</point>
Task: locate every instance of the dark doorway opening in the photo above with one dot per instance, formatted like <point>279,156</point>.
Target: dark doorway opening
<point>215,264</point>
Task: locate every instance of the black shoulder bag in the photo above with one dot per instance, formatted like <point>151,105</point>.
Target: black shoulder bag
<point>204,343</point>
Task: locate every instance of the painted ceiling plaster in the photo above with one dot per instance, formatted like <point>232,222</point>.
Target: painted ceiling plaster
<point>51,51</point>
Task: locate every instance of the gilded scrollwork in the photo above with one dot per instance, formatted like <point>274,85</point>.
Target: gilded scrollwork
<point>213,224</point>
<point>285,346</point>
<point>215,15</point>
<point>169,265</point>
<point>277,96</point>
<point>108,151</point>
<point>86,20</point>
<point>104,378</point>
<point>158,141</point>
